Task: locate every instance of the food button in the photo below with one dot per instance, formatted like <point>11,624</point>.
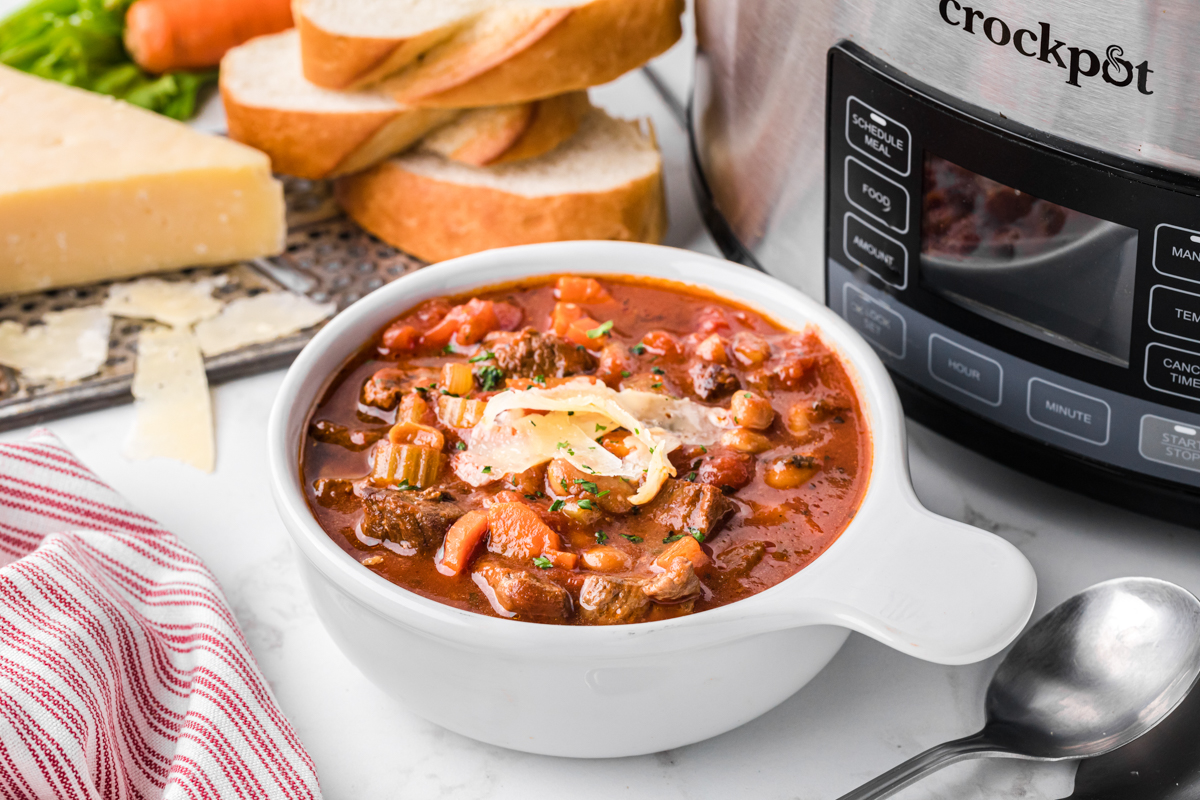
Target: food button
<point>1175,313</point>
<point>876,321</point>
<point>1177,252</point>
<point>1068,411</point>
<point>1174,371</point>
<point>876,252</point>
<point>877,135</point>
<point>1166,441</point>
<point>882,198</point>
<point>965,370</point>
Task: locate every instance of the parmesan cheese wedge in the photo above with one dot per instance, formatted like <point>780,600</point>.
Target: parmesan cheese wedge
<point>179,304</point>
<point>511,439</point>
<point>70,345</point>
<point>262,318</point>
<point>173,404</point>
<point>92,188</point>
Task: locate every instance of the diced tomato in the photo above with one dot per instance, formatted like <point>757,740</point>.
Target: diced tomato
<point>661,343</point>
<point>470,321</point>
<point>517,531</point>
<point>428,314</point>
<point>711,319</point>
<point>399,337</point>
<point>688,548</point>
<point>581,290</point>
<point>508,316</point>
<point>562,317</point>
<point>462,540</point>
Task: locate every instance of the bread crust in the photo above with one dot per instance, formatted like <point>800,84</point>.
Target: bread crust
<point>434,219</point>
<point>555,120</point>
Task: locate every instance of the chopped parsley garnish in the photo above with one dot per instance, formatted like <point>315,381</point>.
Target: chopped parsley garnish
<point>596,333</point>
<point>448,349</point>
<point>540,379</point>
<point>692,477</point>
<point>534,424</point>
<point>563,445</point>
<point>656,385</point>
<point>747,395</point>
<point>638,349</point>
<point>601,494</point>
<point>703,449</point>
<point>405,486</point>
<point>570,413</point>
<point>487,470</point>
<point>563,481</point>
<point>588,486</point>
<point>585,504</point>
<point>659,371</point>
<point>625,373</point>
<point>600,427</point>
<point>601,537</point>
<point>484,356</point>
<point>461,446</point>
<point>674,537</point>
<point>489,377</point>
<point>556,505</point>
<point>531,497</point>
<point>541,562</point>
<point>632,538</point>
<point>697,534</point>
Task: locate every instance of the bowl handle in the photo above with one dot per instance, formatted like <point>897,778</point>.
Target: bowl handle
<point>937,589</point>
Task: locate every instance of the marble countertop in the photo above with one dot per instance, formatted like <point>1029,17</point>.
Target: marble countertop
<point>871,708</point>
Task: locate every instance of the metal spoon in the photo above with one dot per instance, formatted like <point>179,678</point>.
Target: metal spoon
<point>1094,674</point>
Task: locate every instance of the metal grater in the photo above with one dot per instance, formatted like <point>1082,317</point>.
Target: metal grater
<point>328,257</point>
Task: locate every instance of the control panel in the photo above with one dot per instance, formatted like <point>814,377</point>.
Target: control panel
<point>1052,291</point>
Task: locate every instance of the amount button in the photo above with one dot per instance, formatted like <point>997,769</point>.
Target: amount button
<point>876,252</point>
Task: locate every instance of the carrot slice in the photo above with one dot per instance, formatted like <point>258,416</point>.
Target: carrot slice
<point>462,539</point>
<point>578,330</point>
<point>562,317</point>
<point>561,558</point>
<point>471,321</point>
<point>399,337</point>
<point>517,531</point>
<point>581,290</point>
<point>168,35</point>
<point>688,548</point>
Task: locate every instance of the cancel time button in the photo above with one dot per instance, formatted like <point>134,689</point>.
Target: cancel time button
<point>1174,371</point>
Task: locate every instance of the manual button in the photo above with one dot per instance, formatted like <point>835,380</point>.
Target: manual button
<point>874,251</point>
<point>1177,252</point>
<point>878,196</point>
<point>1174,371</point>
<point>1068,411</point>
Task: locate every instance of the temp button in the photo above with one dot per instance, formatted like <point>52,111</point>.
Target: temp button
<point>1068,411</point>
<point>1166,441</point>
<point>1175,313</point>
<point>1174,371</point>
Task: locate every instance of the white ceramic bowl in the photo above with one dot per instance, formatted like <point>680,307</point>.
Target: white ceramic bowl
<point>925,585</point>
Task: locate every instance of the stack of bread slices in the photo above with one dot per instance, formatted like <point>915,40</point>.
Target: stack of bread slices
<point>453,126</point>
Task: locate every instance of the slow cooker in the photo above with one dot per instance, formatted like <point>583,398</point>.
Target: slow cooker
<point>1003,198</point>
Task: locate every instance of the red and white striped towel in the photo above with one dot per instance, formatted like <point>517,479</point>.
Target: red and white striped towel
<point>123,673</point>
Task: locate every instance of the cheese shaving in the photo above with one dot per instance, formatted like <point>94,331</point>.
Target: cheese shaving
<point>262,318</point>
<point>179,304</point>
<point>173,405</point>
<point>70,345</point>
<point>510,439</point>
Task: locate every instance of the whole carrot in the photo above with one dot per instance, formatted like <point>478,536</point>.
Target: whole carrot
<point>168,35</point>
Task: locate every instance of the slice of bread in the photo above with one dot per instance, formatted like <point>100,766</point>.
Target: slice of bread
<point>308,131</point>
<point>492,52</point>
<point>501,134</point>
<point>603,183</point>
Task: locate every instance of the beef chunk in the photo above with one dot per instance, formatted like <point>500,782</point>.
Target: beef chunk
<point>682,506</point>
<point>521,593</point>
<point>675,582</point>
<point>530,353</point>
<point>415,520</point>
<point>710,380</point>
<point>611,601</point>
<point>385,388</point>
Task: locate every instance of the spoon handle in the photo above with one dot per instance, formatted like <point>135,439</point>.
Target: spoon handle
<point>917,767</point>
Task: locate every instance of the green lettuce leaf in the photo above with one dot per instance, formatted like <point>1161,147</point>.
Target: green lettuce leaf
<point>78,42</point>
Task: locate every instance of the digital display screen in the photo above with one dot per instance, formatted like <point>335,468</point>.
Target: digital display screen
<point>1039,268</point>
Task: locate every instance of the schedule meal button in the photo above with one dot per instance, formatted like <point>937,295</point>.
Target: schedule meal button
<point>875,134</point>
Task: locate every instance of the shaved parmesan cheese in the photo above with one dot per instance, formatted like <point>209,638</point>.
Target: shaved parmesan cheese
<point>69,346</point>
<point>262,318</point>
<point>509,439</point>
<point>174,409</point>
<point>179,304</point>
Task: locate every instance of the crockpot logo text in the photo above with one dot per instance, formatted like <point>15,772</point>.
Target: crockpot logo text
<point>1079,62</point>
